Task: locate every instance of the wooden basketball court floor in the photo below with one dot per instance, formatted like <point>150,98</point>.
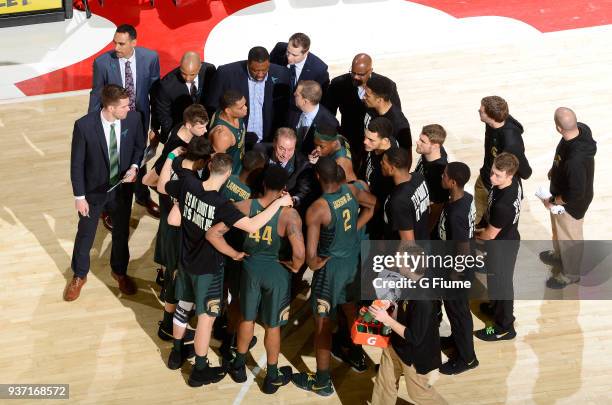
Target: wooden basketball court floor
<point>105,345</point>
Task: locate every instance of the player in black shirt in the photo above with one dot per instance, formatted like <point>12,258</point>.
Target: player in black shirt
<point>457,224</point>
<point>377,140</point>
<point>406,209</point>
<point>431,164</point>
<point>502,134</point>
<point>200,276</point>
<point>501,224</point>
<point>378,92</point>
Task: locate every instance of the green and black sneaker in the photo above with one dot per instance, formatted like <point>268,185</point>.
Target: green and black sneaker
<point>492,334</point>
<point>308,382</point>
<point>270,386</point>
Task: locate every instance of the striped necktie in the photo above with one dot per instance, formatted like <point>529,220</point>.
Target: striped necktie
<point>129,85</point>
<point>114,157</point>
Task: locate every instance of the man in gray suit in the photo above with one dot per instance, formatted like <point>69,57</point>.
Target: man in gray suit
<point>137,70</point>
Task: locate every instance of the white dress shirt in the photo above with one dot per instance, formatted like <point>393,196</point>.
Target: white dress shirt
<point>298,69</point>
<point>195,81</point>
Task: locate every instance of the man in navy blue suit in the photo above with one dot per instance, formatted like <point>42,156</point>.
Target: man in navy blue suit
<point>107,148</point>
<point>310,115</point>
<point>266,88</point>
<point>137,70</point>
<point>302,64</point>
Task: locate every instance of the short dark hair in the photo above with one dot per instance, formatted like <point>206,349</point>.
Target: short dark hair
<point>459,172</point>
<point>258,54</point>
<point>253,160</point>
<point>506,162</point>
<point>328,170</point>
<point>199,148</point>
<point>229,98</point>
<point>381,86</point>
<point>399,158</point>
<point>127,29</point>
<point>111,94</point>
<point>300,40</point>
<point>220,163</point>
<point>496,108</point>
<point>381,126</point>
<point>195,114</point>
<point>275,178</point>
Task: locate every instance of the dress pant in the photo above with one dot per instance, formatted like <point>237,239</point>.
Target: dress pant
<point>481,199</point>
<point>118,203</point>
<point>388,377</point>
<point>462,325</point>
<point>142,192</point>
<point>568,243</point>
<point>500,261</point>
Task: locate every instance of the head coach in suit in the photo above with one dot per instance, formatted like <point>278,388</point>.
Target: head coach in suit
<point>107,147</point>
<point>266,88</point>
<point>137,70</point>
<point>180,88</point>
<point>302,64</point>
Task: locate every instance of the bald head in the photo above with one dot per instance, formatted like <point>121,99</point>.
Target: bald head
<point>190,66</point>
<point>361,69</point>
<point>565,119</point>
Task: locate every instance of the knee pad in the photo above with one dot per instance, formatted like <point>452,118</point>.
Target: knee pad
<point>181,313</point>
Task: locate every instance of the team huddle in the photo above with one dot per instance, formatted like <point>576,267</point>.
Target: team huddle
<point>259,183</point>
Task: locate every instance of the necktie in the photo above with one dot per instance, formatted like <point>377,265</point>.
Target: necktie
<point>114,157</point>
<point>193,92</point>
<point>293,77</point>
<point>129,85</point>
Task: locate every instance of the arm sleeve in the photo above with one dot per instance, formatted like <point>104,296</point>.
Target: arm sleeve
<point>139,144</point>
<point>173,188</point>
<point>511,145</point>
<point>229,214</point>
<point>96,88</point>
<point>163,107</point>
<point>576,181</point>
<point>402,215</point>
<point>395,99</point>
<point>459,226</point>
<point>501,216</point>
<point>331,99</point>
<point>155,76</point>
<point>77,162</point>
<point>419,323</point>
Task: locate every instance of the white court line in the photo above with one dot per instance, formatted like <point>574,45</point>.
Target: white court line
<point>250,380</point>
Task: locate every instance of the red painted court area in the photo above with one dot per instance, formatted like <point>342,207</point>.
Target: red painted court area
<point>174,30</point>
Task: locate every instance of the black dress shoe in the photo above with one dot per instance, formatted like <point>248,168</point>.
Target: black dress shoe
<point>151,206</point>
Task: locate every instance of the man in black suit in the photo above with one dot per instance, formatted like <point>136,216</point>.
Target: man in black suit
<point>302,64</point>
<point>137,70</point>
<point>302,184</point>
<point>266,88</point>
<point>310,115</point>
<point>107,148</point>
<point>180,88</point>
<point>346,92</point>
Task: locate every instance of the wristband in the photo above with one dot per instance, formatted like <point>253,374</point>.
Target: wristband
<point>171,156</point>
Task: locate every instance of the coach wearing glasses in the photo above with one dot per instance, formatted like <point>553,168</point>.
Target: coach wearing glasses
<point>346,92</point>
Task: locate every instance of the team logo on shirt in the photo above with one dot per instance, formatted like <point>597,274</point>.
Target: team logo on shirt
<point>323,306</point>
<point>494,151</point>
<point>557,160</point>
<point>213,306</point>
<point>284,315</point>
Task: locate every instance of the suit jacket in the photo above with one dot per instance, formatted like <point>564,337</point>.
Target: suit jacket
<point>342,94</point>
<point>302,182</point>
<point>89,161</point>
<point>323,118</point>
<point>106,70</point>
<point>314,68</point>
<point>172,97</point>
<point>276,99</point>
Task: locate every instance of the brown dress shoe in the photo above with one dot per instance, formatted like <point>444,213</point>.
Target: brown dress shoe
<point>106,221</point>
<point>126,284</point>
<point>151,206</point>
<point>73,289</point>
